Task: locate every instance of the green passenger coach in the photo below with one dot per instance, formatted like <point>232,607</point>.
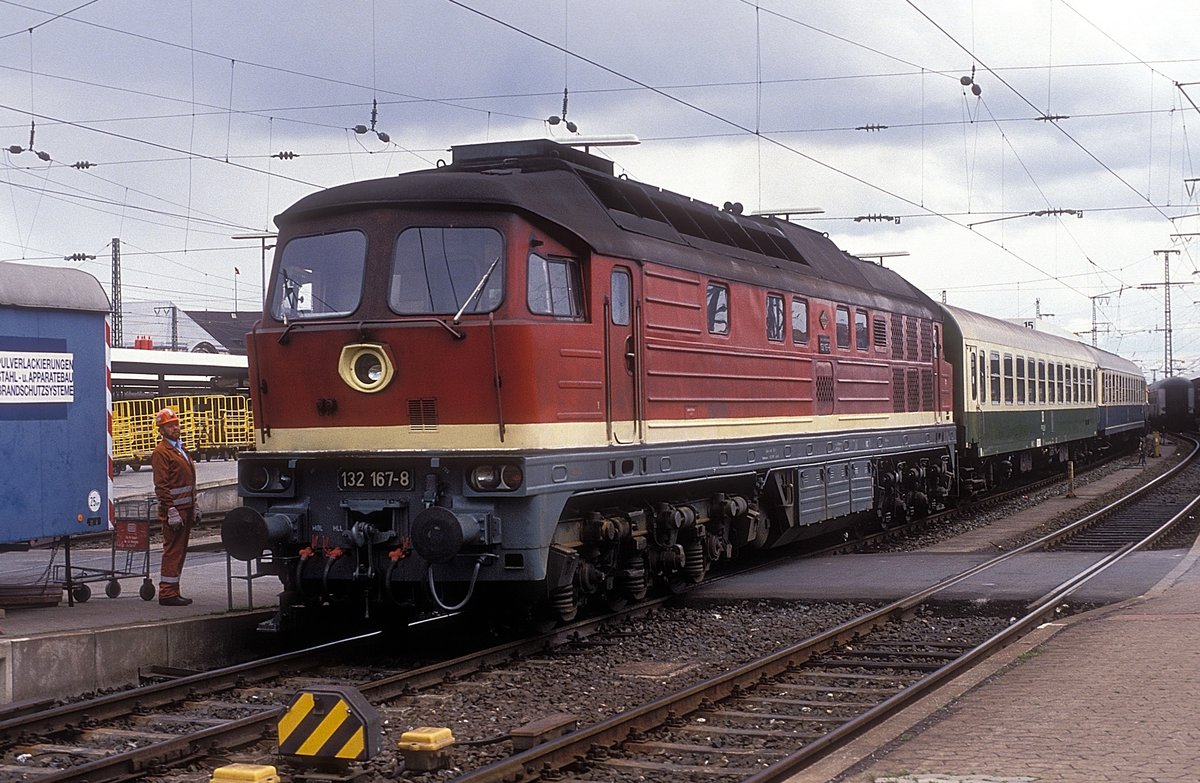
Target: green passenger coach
<point>1024,398</point>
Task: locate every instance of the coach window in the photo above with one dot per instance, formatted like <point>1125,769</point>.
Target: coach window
<point>983,384</point>
<point>1073,379</point>
<point>619,283</point>
<point>1032,368</point>
<point>443,270</point>
<point>843,327</point>
<point>1008,378</point>
<point>974,377</point>
<point>1041,381</point>
<point>1056,375</point>
<point>861,337</point>
<point>717,301</point>
<point>775,318</point>
<point>1021,379</point>
<point>554,287</point>
<point>799,321</point>
<point>995,368</point>
<point>320,276</point>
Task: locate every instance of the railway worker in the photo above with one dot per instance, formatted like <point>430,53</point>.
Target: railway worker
<point>175,488</point>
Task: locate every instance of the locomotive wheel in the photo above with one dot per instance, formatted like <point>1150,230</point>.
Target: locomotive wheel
<point>113,588</point>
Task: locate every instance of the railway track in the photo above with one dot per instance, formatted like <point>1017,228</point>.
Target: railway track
<point>816,694</point>
<point>810,693</point>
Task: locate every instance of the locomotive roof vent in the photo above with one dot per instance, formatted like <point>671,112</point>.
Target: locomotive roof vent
<point>525,154</point>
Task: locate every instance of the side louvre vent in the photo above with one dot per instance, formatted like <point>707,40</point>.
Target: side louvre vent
<point>824,388</point>
<point>422,415</point>
<point>914,390</point>
<point>898,390</point>
<point>879,325</point>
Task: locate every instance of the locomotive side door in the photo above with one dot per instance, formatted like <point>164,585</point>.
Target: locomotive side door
<point>622,316</point>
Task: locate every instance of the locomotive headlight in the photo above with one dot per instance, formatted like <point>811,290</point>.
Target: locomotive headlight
<point>265,477</point>
<point>256,478</point>
<point>493,478</point>
<point>485,477</point>
<point>511,476</point>
<point>366,367</point>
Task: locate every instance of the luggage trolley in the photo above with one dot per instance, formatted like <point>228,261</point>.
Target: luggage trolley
<point>130,551</point>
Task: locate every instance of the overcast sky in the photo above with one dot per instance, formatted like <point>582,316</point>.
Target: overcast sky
<point>1086,106</point>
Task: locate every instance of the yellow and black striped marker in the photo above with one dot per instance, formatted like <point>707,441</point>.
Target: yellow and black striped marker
<point>330,723</point>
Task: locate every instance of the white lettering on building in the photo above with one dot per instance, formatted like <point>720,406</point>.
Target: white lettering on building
<point>35,376</point>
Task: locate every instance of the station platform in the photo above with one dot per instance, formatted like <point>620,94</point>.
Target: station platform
<point>63,650</point>
<point>1105,696</point>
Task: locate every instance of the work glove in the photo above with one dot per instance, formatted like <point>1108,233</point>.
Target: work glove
<point>173,518</point>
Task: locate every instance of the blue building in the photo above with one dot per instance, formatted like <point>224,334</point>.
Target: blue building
<point>54,403</point>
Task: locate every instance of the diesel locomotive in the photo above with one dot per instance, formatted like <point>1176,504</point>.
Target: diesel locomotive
<point>518,381</point>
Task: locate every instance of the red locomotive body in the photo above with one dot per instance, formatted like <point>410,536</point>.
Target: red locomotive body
<point>518,378</point>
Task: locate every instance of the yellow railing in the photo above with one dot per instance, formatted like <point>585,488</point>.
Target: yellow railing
<point>210,425</point>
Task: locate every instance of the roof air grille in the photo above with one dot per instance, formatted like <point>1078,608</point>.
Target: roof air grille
<point>692,218</point>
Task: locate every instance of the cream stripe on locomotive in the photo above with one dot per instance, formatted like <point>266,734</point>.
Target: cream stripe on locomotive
<point>571,435</point>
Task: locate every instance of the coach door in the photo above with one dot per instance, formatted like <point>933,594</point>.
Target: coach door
<point>621,364</point>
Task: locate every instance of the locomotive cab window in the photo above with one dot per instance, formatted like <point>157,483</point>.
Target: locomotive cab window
<point>621,286</point>
<point>799,321</point>
<point>861,338</point>
<point>554,287</point>
<point>843,327</point>
<point>320,276</point>
<point>441,270</point>
<point>774,318</point>
<point>717,305</point>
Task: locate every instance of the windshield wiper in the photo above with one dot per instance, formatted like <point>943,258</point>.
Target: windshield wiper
<point>478,287</point>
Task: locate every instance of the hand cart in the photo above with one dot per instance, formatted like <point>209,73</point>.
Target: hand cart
<point>130,555</point>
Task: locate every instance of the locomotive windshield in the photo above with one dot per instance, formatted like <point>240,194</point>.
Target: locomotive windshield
<point>319,276</point>
<point>437,271</point>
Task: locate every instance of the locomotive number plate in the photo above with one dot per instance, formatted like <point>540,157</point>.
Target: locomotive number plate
<point>374,479</point>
